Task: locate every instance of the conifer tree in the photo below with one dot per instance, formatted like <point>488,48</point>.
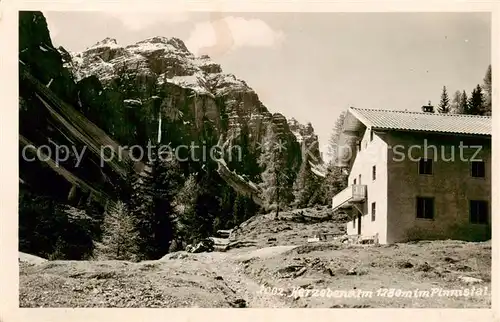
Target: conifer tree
<point>239,210</point>
<point>464,103</point>
<point>119,238</point>
<point>455,103</point>
<point>275,181</point>
<point>336,177</point>
<point>166,182</point>
<point>444,104</point>
<point>476,102</point>
<point>487,91</point>
<point>186,208</point>
<point>307,185</point>
<point>333,142</point>
<point>142,210</point>
<point>225,219</point>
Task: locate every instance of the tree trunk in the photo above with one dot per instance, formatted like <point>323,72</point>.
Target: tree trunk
<point>277,203</point>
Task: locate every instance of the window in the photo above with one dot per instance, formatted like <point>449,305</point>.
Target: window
<point>478,169</point>
<point>371,135</point>
<point>478,212</point>
<point>425,166</point>
<point>374,173</point>
<point>373,211</point>
<point>354,181</point>
<point>425,207</point>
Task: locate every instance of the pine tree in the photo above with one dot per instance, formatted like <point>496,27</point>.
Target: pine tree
<point>464,103</point>
<point>487,90</point>
<point>444,104</point>
<point>186,208</point>
<point>141,207</point>
<point>251,207</point>
<point>198,207</point>
<point>300,184</point>
<point>239,210</point>
<point>335,181</point>
<point>307,185</point>
<point>225,218</point>
<point>336,177</point>
<point>476,102</point>
<point>166,182</point>
<point>206,205</point>
<point>275,179</point>
<point>153,195</point>
<point>455,103</point>
<point>119,239</point>
<point>333,147</point>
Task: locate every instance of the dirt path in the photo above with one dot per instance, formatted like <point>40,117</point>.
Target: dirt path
<point>215,279</point>
<point>230,267</point>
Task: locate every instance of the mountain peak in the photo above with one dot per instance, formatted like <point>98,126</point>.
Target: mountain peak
<point>106,42</point>
<point>172,41</point>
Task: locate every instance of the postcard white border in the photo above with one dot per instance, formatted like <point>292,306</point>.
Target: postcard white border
<point>9,279</point>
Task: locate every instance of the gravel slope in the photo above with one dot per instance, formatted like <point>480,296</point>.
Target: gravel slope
<point>278,258</point>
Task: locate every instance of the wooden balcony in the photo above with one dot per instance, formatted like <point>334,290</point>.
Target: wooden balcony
<point>351,194</point>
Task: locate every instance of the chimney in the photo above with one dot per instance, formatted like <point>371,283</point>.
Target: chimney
<point>428,108</point>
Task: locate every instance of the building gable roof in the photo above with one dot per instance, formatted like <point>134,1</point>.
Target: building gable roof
<point>423,122</point>
<point>358,119</point>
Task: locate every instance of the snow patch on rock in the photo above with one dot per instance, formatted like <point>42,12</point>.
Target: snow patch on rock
<point>106,42</point>
<point>132,102</point>
<point>166,58</point>
<point>318,169</point>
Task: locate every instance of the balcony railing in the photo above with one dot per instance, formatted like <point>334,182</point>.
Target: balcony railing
<point>353,193</point>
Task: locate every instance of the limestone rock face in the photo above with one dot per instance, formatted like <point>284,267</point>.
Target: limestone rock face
<point>121,90</point>
<point>307,139</point>
<point>198,83</point>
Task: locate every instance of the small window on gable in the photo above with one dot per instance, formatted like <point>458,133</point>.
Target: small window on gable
<point>425,166</point>
<point>478,169</point>
<point>373,211</point>
<point>374,173</point>
<point>354,181</point>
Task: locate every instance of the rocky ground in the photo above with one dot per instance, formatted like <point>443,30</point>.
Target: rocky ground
<point>276,267</point>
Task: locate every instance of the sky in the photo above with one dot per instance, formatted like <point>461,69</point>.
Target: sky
<point>313,66</point>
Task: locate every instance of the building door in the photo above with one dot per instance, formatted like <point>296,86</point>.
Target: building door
<point>359,223</point>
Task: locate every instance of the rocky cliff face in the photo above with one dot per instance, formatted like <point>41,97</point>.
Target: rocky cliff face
<point>223,99</point>
<point>123,91</point>
<point>307,139</point>
<point>47,119</point>
<point>154,69</point>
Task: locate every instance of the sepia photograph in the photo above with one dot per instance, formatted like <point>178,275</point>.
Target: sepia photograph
<point>199,159</point>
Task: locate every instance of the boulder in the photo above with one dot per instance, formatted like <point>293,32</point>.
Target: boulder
<point>470,280</point>
<point>31,259</point>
